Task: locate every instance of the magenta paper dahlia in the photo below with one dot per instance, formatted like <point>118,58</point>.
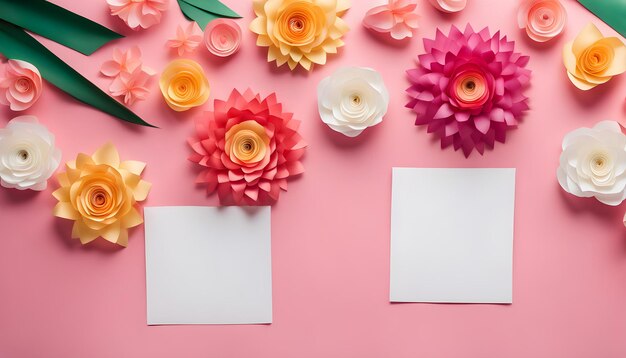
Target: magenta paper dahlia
<point>468,88</point>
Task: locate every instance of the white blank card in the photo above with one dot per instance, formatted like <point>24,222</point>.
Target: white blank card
<point>207,265</point>
<point>452,235</point>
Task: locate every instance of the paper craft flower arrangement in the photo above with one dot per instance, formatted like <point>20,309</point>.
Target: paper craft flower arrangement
<point>352,99</point>
<point>299,32</point>
<point>138,13</point>
<point>543,20</point>
<point>592,59</point>
<point>28,156</point>
<point>184,85</point>
<point>396,18</point>
<point>468,88</point>
<point>20,85</point>
<point>248,148</point>
<point>100,194</point>
<point>449,5</point>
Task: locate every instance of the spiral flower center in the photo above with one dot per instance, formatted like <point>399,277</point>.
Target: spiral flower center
<point>597,58</point>
<point>469,88</point>
<point>23,155</point>
<point>247,142</point>
<point>601,164</point>
<point>355,99</point>
<point>22,85</point>
<point>299,22</point>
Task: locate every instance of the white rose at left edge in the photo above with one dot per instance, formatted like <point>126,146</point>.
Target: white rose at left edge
<point>593,163</point>
<point>28,157</point>
<point>352,99</point>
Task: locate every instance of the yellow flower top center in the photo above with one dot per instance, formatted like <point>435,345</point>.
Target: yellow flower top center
<point>247,142</point>
<point>299,23</point>
<point>597,58</point>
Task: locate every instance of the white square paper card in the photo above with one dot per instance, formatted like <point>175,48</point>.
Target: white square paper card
<point>207,265</point>
<point>452,235</point>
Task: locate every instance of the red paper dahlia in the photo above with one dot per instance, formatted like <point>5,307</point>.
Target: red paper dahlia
<point>468,88</point>
<point>249,148</point>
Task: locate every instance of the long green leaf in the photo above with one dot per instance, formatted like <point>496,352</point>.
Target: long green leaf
<point>213,6</point>
<point>17,44</point>
<point>57,24</point>
<point>193,13</point>
<point>613,12</point>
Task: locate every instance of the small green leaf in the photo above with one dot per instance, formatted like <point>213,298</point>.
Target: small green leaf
<point>612,12</point>
<point>200,16</point>
<point>213,6</point>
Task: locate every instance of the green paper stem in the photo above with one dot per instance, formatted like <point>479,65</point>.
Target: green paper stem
<point>612,12</point>
<point>213,6</point>
<point>57,24</point>
<point>195,14</point>
<point>17,44</point>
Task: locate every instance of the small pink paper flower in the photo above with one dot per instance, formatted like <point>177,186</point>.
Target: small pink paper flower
<point>20,85</point>
<point>449,5</point>
<point>542,19</point>
<point>123,61</point>
<point>133,85</point>
<point>396,18</point>
<point>187,39</point>
<point>138,13</point>
<point>222,37</point>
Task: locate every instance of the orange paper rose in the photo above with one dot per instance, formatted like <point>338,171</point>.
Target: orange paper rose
<point>299,31</point>
<point>592,59</point>
<point>100,194</point>
<point>184,85</point>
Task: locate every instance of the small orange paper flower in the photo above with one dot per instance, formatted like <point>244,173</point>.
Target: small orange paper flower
<point>100,194</point>
<point>184,85</point>
<point>592,59</point>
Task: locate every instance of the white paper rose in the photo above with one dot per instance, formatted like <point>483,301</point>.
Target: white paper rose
<point>28,157</point>
<point>352,99</point>
<point>593,163</point>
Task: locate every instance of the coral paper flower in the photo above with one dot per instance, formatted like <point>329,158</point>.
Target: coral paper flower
<point>248,148</point>
<point>20,85</point>
<point>138,13</point>
<point>449,5</point>
<point>132,86</point>
<point>352,99</point>
<point>299,32</point>
<point>468,88</point>
<point>28,156</point>
<point>100,194</point>
<point>187,38</point>
<point>542,19</point>
<point>593,163</point>
<point>396,18</point>
<point>184,85</point>
<point>592,59</point>
<point>222,37</point>
<point>123,61</point>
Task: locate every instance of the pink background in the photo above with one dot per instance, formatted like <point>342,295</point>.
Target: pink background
<point>331,230</point>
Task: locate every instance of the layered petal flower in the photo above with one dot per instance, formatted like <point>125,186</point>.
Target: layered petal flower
<point>184,85</point>
<point>248,149</point>
<point>593,163</point>
<point>542,19</point>
<point>20,85</point>
<point>187,38</point>
<point>449,5</point>
<point>131,86</point>
<point>100,194</point>
<point>397,18</point>
<point>222,37</point>
<point>299,32</point>
<point>468,88</point>
<point>138,13</point>
<point>122,61</point>
<point>352,99</point>
<point>592,59</point>
<point>28,156</point>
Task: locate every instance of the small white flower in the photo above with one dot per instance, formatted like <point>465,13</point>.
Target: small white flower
<point>28,157</point>
<point>593,163</point>
<point>352,99</point>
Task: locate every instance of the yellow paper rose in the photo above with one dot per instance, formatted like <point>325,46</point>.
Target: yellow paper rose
<point>184,85</point>
<point>299,31</point>
<point>99,193</point>
<point>592,59</point>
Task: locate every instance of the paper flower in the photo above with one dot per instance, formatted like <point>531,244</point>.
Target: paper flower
<point>20,85</point>
<point>468,88</point>
<point>222,37</point>
<point>187,39</point>
<point>397,18</point>
<point>593,163</point>
<point>132,86</point>
<point>542,19</point>
<point>299,32</point>
<point>123,61</point>
<point>100,194</point>
<point>138,13</point>
<point>592,59</point>
<point>184,85</point>
<point>449,5</point>
<point>248,148</point>
<point>352,99</point>
<point>28,157</point>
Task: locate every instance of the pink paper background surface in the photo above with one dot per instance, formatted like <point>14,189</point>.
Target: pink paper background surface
<point>330,232</point>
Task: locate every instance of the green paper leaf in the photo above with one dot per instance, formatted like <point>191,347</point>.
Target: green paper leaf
<point>57,24</point>
<point>214,7</point>
<point>17,44</point>
<point>193,13</point>
<point>613,12</point>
